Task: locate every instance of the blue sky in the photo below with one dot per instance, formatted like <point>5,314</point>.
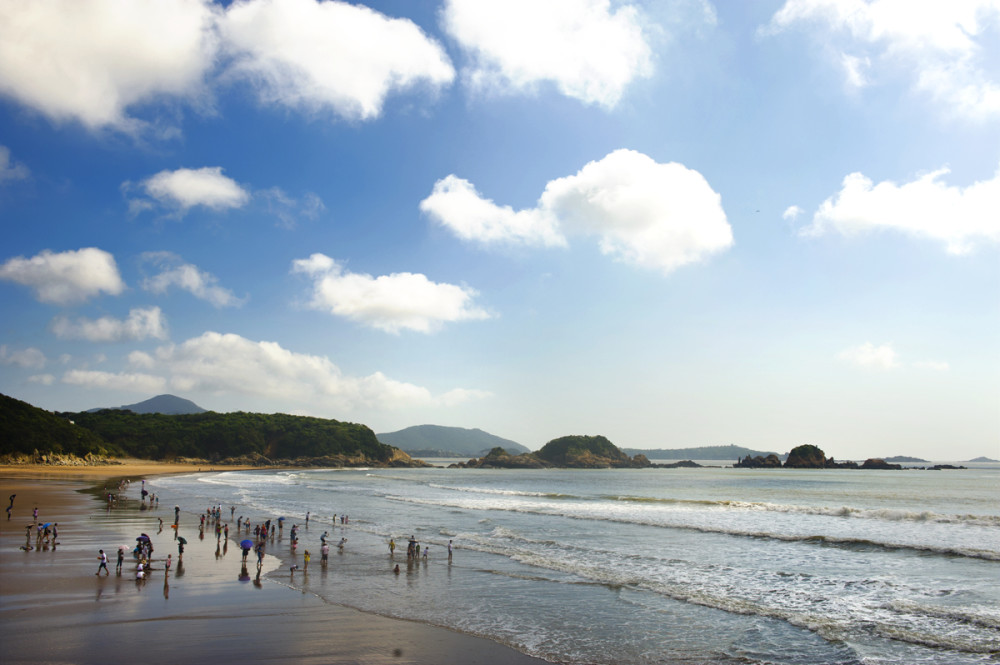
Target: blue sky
<point>673,224</point>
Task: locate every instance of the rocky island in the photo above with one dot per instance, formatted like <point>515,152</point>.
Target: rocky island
<point>811,457</point>
<point>568,452</point>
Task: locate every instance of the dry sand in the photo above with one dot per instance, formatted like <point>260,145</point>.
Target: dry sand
<point>53,609</point>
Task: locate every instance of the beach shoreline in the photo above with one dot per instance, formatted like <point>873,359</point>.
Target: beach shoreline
<point>53,608</point>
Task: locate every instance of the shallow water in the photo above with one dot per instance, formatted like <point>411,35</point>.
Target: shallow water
<point>654,566</point>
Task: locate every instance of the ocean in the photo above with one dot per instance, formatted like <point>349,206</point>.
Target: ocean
<point>668,566</point>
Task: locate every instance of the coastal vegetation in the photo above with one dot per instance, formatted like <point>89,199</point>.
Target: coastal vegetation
<point>237,438</point>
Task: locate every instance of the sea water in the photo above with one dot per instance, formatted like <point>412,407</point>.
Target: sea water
<point>710,565</point>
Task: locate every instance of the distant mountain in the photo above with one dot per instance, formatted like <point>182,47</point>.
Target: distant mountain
<point>903,459</point>
<point>729,452</point>
<point>169,405</point>
<point>985,459</point>
<point>440,441</point>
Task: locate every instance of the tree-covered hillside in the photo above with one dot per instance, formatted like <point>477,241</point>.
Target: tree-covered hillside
<point>217,436</point>
<point>25,429</point>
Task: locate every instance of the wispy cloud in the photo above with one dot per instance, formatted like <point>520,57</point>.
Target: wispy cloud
<point>942,48</point>
<point>187,277</point>
<point>9,169</point>
<point>142,323</point>
<point>869,356</point>
<point>30,358</point>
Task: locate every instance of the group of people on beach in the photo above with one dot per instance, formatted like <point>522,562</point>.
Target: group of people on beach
<point>46,534</point>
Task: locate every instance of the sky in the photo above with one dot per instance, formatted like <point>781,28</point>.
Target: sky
<point>673,224</point>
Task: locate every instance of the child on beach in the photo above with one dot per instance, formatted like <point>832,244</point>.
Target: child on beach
<point>305,563</point>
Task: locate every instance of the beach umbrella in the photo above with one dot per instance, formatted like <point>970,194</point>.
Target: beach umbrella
<point>246,544</point>
<point>143,538</point>
<point>47,524</point>
<point>182,540</point>
<point>281,519</point>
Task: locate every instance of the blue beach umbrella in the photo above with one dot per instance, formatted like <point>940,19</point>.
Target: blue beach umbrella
<point>246,544</point>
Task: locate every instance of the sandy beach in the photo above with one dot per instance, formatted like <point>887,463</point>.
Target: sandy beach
<point>53,609</point>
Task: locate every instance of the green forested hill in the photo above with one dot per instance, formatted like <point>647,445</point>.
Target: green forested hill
<point>25,428</point>
<point>216,436</point>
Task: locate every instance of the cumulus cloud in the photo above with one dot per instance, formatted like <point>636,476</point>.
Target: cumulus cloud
<point>91,61</point>
<point>331,55</point>
<point>959,217</point>
<point>182,189</point>
<point>127,381</point>
<point>658,216</point>
<point>175,273</point>
<point>9,169</point>
<point>587,50</point>
<point>943,47</point>
<point>231,363</point>
<point>868,355</point>
<point>455,204</point>
<point>142,323</point>
<point>30,357</point>
<point>42,379</point>
<point>395,302</point>
<point>66,277</point>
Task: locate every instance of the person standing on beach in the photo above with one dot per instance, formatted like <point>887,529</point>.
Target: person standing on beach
<point>121,560</point>
<point>103,558</point>
<point>34,514</point>
<point>177,514</point>
<point>325,554</point>
<point>305,561</point>
<point>392,547</point>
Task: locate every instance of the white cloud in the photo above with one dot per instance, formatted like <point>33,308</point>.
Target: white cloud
<point>868,355</point>
<point>658,216</point>
<point>42,379</point>
<point>792,213</point>
<point>30,357</point>
<point>400,301</point>
<point>941,46</point>
<point>188,277</point>
<point>140,324</point>
<point>9,169</point>
<point>182,189</point>
<point>132,382</point>
<point>231,363</point>
<point>66,277</point>
<point>926,207</point>
<point>455,204</point>
<point>90,61</point>
<point>329,55</point>
<point>587,50</point>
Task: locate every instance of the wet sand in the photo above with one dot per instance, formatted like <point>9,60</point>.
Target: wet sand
<point>53,609</point>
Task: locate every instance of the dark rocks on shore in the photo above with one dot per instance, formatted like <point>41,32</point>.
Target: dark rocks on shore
<point>759,462</point>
